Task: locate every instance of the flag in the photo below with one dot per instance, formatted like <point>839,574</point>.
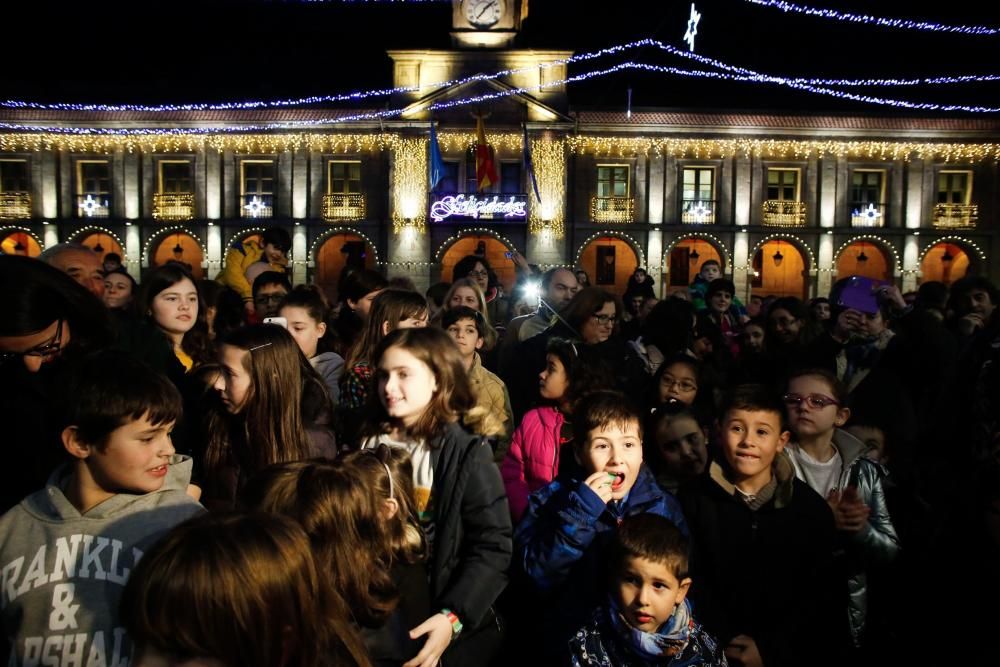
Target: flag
<point>437,164</point>
<point>486,168</point>
<point>529,167</point>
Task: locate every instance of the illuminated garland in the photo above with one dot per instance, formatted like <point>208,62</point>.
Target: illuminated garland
<point>633,244</point>
<point>471,231</point>
<point>874,240</point>
<point>906,24</point>
<point>328,233</point>
<point>81,232</point>
<point>946,239</point>
<point>549,162</point>
<point>163,233</point>
<point>711,239</point>
<point>791,239</point>
<point>410,184</point>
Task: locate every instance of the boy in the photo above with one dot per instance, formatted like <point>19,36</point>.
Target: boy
<point>711,270</point>
<point>763,545</point>
<point>720,298</point>
<point>245,260</point>
<point>647,620</point>
<point>66,551</point>
<point>468,328</point>
<point>561,540</point>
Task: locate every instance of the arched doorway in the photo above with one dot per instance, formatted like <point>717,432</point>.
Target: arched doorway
<point>16,242</point>
<point>494,250</point>
<point>337,252</point>
<point>864,258</point>
<point>685,260</point>
<point>102,243</point>
<point>609,261</point>
<point>779,269</point>
<point>944,262</point>
<point>180,247</point>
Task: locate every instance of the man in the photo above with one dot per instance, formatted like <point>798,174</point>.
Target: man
<point>78,262</point>
<point>558,288</point>
<point>269,289</point>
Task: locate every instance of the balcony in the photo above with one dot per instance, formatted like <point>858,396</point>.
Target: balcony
<point>781,213</point>
<point>93,205</point>
<point>956,216</point>
<point>169,206</point>
<point>612,209</point>
<point>257,206</point>
<point>337,207</point>
<point>15,205</point>
<point>868,214</point>
<point>698,212</point>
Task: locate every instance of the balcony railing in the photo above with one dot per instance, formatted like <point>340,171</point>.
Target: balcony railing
<point>956,216</point>
<point>698,212</point>
<point>781,213</point>
<point>868,214</point>
<point>93,205</point>
<point>173,206</point>
<point>343,207</point>
<point>257,206</point>
<point>15,205</point>
<point>612,209</point>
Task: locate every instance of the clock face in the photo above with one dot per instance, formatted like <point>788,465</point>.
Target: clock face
<point>483,13</point>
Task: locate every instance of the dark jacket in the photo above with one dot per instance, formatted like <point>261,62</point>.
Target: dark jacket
<point>769,573</point>
<point>472,537</point>
<point>562,542</point>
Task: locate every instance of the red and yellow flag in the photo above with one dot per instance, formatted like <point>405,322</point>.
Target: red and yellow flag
<point>486,168</point>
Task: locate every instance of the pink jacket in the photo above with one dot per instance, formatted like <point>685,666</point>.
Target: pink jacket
<point>533,458</point>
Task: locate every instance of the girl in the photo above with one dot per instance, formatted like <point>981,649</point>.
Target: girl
<point>533,459</point>
<point>478,269</point>
<point>392,309</point>
<point>832,462</point>
<point>676,381</point>
<point>356,290</point>
<point>276,410</point>
<point>237,591</point>
<point>305,310</point>
<point>676,445</point>
<point>422,391</point>
<point>170,301</point>
<point>119,290</point>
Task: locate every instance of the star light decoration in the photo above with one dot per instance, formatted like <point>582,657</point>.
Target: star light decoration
<point>692,27</point>
<point>89,206</point>
<point>870,214</point>
<point>700,213</point>
<point>254,208</point>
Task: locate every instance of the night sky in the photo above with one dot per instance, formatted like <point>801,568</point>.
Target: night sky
<point>221,51</point>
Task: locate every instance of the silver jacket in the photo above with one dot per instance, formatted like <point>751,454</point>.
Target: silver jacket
<point>876,543</point>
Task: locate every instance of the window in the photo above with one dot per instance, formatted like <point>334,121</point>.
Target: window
<point>258,178</point>
<point>510,178</point>
<point>612,180</point>
<point>14,176</point>
<point>866,187</point>
<point>698,184</point>
<point>93,178</point>
<point>449,181</point>
<point>783,184</point>
<point>345,178</point>
<point>954,187</point>
<point>175,177</point>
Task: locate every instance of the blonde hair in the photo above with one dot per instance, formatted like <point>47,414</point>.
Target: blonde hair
<point>488,334</point>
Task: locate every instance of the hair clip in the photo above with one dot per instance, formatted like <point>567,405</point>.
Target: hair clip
<point>257,347</point>
<point>575,353</point>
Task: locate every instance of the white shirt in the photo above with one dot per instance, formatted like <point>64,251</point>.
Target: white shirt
<point>821,476</point>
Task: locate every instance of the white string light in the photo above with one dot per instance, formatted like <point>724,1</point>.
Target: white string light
<point>906,24</point>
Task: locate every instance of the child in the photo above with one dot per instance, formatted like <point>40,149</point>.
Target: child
<point>349,522</point>
<point>676,380</point>
<point>66,551</point>
<point>833,463</point>
<point>719,297</point>
<point>246,260</point>
<point>236,590</point>
<point>562,539</point>
<point>305,310</point>
<point>491,415</point>
<point>422,390</point>
<point>276,410</point>
<point>712,270</point>
<point>535,456</point>
<point>763,545</point>
<point>170,301</point>
<point>646,619</point>
<point>678,445</point>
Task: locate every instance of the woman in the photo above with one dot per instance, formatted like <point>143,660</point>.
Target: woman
<point>477,268</point>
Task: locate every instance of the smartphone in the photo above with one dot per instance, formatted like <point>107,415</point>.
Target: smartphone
<point>280,321</point>
<point>860,293</point>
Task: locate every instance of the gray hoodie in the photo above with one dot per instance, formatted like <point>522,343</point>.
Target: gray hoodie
<point>330,367</point>
<point>62,572</point>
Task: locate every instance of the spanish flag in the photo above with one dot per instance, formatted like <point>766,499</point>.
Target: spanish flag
<point>486,169</point>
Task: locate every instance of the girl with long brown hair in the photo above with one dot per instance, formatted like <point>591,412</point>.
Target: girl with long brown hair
<point>242,590</point>
<point>276,410</point>
<point>170,300</point>
<point>421,392</point>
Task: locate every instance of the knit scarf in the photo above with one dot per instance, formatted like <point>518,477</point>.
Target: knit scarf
<point>669,641</point>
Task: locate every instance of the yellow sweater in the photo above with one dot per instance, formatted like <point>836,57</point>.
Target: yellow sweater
<point>240,257</point>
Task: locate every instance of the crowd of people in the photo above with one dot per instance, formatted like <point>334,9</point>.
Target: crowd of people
<point>242,472</point>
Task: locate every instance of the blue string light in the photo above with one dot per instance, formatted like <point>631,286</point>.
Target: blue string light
<point>905,24</point>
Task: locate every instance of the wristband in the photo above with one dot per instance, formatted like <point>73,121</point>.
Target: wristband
<point>456,625</point>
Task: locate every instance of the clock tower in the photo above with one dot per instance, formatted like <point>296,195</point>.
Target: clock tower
<point>489,24</point>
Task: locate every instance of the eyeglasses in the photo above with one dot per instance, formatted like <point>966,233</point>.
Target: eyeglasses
<point>814,401</point>
<point>49,348</point>
<point>605,319</point>
<point>479,274</point>
<point>269,298</point>
<point>684,385</point>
